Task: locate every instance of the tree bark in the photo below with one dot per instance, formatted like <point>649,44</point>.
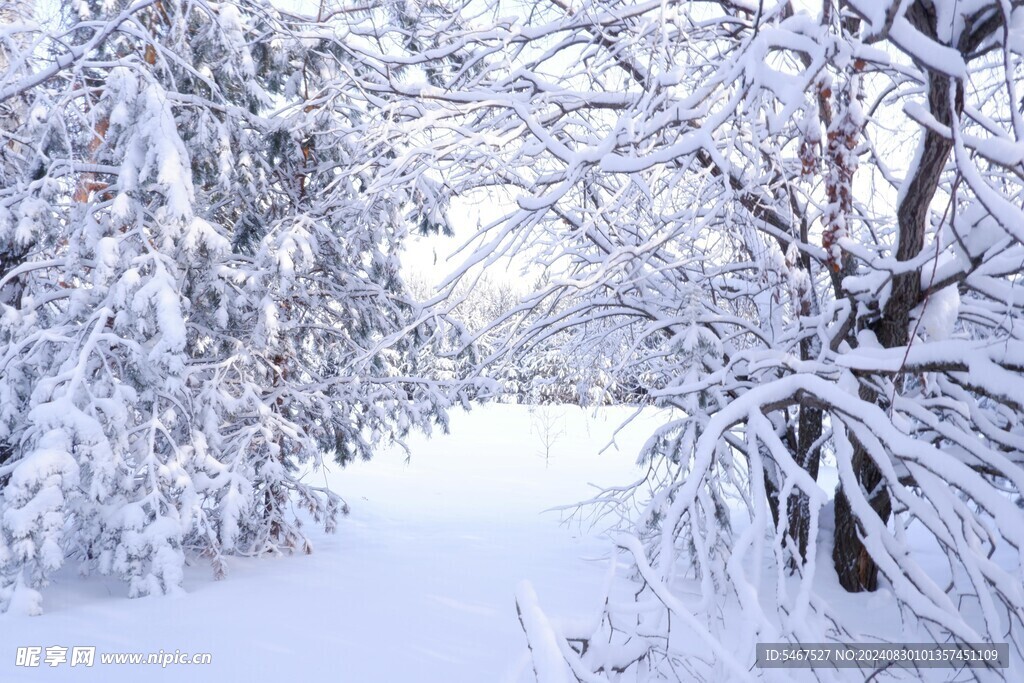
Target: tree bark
<point>808,457</point>
<point>856,568</point>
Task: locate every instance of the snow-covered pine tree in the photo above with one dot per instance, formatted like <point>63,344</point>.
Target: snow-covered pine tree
<point>200,290</point>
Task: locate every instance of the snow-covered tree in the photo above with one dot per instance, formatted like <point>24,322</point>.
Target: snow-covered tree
<point>809,227</point>
<point>200,291</point>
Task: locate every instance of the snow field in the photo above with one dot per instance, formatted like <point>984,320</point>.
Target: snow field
<point>418,584</point>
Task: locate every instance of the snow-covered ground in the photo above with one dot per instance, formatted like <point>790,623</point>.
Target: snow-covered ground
<point>418,584</point>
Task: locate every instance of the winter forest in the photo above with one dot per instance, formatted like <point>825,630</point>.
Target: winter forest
<point>757,266</point>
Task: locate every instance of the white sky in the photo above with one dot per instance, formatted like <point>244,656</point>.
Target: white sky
<point>436,256</point>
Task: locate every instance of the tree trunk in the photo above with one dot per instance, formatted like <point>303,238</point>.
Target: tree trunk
<point>808,457</point>
<point>856,568</point>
